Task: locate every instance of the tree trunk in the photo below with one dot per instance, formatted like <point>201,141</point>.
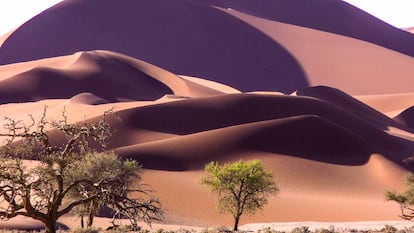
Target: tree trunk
<point>90,219</point>
<point>236,223</point>
<point>50,226</point>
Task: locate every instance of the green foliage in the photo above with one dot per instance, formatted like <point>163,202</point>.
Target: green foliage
<point>68,174</point>
<point>389,229</point>
<point>405,199</point>
<point>303,229</point>
<point>323,230</point>
<point>118,179</point>
<point>242,187</point>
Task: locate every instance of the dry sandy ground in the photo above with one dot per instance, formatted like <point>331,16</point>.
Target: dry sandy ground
<point>348,153</point>
<point>327,107</point>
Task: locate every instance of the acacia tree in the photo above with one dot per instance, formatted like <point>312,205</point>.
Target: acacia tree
<point>45,192</point>
<point>115,194</point>
<point>405,199</point>
<point>242,187</point>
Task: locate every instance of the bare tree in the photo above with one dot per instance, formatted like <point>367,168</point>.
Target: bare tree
<point>46,191</point>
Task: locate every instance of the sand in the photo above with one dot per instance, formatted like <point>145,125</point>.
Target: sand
<point>327,107</point>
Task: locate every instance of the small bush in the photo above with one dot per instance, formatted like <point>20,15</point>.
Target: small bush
<point>303,229</point>
<point>323,230</point>
<point>86,230</point>
<point>160,231</point>
<point>220,229</point>
<point>389,229</point>
<point>269,230</point>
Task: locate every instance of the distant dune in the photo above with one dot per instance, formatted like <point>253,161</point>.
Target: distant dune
<point>320,91</point>
<point>410,29</point>
<point>106,75</point>
<point>205,39</point>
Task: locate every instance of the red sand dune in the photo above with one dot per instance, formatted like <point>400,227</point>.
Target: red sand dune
<point>352,65</point>
<point>321,154</point>
<point>182,36</point>
<point>108,76</point>
<point>332,154</point>
<point>197,38</point>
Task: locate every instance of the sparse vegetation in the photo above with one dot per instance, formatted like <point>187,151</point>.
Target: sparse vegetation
<point>242,187</point>
<point>222,229</point>
<point>405,199</point>
<point>68,174</point>
<point>302,229</point>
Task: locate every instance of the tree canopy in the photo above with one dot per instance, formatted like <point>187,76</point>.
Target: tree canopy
<point>68,172</point>
<point>242,187</point>
<point>404,199</point>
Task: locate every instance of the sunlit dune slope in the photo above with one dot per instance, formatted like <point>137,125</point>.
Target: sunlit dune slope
<point>327,16</point>
<point>352,65</point>
<point>309,190</point>
<point>185,37</point>
<point>410,29</point>
<point>388,104</point>
<point>251,46</point>
<point>192,81</point>
<point>106,76</point>
<point>321,149</point>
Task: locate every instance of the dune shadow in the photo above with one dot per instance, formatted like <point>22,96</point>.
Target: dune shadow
<point>114,82</point>
<point>183,36</point>
<point>335,16</point>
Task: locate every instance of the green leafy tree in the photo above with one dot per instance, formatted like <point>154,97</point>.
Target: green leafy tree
<point>242,187</point>
<point>405,199</point>
<point>115,194</point>
<point>54,187</point>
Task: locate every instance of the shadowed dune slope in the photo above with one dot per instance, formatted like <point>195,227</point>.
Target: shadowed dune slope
<point>349,104</point>
<point>106,76</point>
<point>308,127</point>
<point>305,136</point>
<point>202,114</point>
<point>321,153</point>
<point>329,59</point>
<point>406,117</point>
<point>251,46</point>
<point>183,36</point>
<point>328,16</point>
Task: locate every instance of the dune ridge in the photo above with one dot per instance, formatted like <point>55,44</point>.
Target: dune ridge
<point>170,151</point>
<point>325,103</point>
<point>107,75</point>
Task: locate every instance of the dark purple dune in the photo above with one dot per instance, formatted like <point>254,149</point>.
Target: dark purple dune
<point>183,36</point>
<point>112,80</point>
<point>338,99</point>
<point>406,117</point>
<point>192,37</point>
<point>200,115</point>
<point>305,136</point>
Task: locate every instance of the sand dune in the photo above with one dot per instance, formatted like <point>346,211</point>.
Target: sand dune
<point>339,152</point>
<point>184,37</point>
<point>352,65</point>
<point>192,81</point>
<point>203,39</point>
<point>410,29</point>
<point>388,104</point>
<point>327,16</point>
<point>106,75</point>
